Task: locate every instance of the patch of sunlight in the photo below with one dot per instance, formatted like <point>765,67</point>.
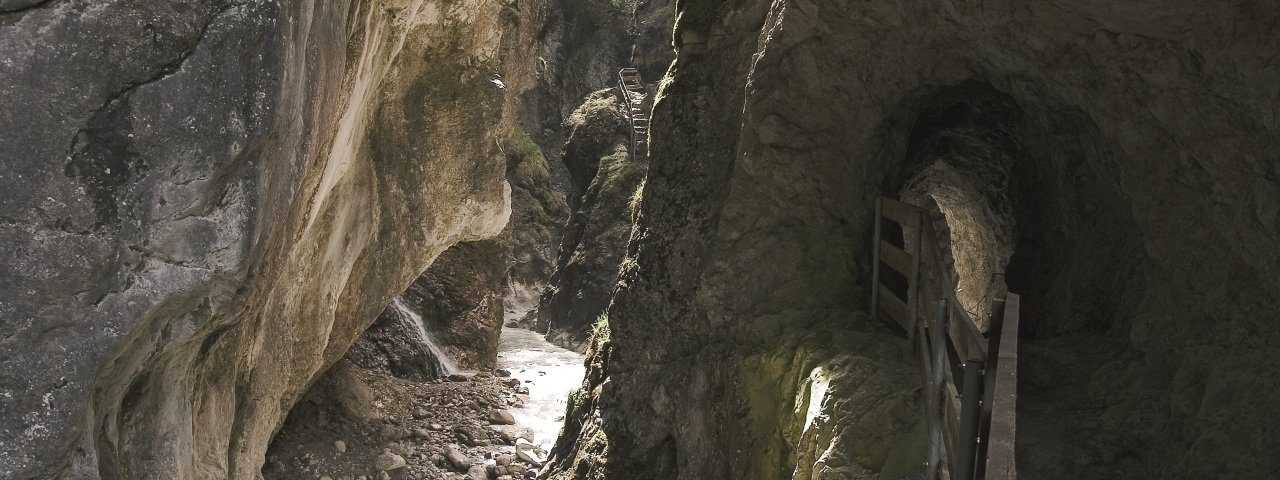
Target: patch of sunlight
<point>818,384</point>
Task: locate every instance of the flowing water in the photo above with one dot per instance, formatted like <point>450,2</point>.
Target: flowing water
<point>407,315</point>
<point>550,373</point>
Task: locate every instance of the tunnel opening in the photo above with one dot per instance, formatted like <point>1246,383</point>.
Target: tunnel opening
<point>1019,191</point>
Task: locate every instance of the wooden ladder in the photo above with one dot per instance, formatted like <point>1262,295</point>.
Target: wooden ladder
<point>970,379</point>
<point>636,100</point>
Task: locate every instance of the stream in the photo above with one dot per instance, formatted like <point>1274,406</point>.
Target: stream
<point>549,371</point>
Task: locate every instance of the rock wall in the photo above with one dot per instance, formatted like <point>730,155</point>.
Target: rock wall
<point>580,50</point>
<point>206,202</point>
<point>595,238</point>
<point>460,300</point>
<point>1143,194</point>
<point>538,214</point>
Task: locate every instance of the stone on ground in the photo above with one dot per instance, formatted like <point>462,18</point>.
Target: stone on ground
<point>389,461</point>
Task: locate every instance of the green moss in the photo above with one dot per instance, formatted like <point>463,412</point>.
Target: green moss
<point>523,145</point>
<point>600,103</point>
<point>527,170</point>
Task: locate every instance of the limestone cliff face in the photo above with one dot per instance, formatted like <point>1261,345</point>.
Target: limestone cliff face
<point>580,50</point>
<point>449,318</point>
<point>206,202</point>
<point>595,237</point>
<point>1144,200</point>
<point>538,213</point>
<point>460,300</point>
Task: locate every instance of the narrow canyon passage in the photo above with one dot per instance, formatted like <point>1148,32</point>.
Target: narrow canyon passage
<point>550,372</point>
<point>630,239</point>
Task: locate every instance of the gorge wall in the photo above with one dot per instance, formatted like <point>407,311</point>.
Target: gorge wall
<point>206,202</point>
<point>594,240</point>
<point>1143,201</point>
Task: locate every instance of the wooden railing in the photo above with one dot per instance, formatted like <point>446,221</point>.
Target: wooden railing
<point>970,392</point>
<point>636,100</point>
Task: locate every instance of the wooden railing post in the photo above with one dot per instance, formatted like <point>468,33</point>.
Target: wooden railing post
<point>913,281</point>
<point>1000,463</point>
<point>934,396</point>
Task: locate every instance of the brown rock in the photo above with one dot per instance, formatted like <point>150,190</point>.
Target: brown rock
<point>501,417</point>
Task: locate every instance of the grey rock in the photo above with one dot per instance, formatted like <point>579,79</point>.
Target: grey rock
<point>457,458</point>
<point>389,461</point>
<point>176,199</point>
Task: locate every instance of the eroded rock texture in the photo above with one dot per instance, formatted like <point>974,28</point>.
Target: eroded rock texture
<point>595,238</point>
<point>206,202</point>
<point>460,301</point>
<point>1143,195</point>
<point>538,213</point>
<point>581,48</point>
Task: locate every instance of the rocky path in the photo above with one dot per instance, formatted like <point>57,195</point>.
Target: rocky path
<point>365,425</point>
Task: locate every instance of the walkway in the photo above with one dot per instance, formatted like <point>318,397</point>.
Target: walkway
<point>969,378</point>
<point>638,102</point>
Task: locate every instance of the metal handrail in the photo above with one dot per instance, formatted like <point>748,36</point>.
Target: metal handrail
<point>634,98</point>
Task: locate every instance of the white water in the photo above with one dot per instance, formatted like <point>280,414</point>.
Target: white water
<point>549,371</point>
<point>415,322</point>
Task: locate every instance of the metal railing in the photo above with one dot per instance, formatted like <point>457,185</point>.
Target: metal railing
<point>636,99</point>
<point>969,378</point>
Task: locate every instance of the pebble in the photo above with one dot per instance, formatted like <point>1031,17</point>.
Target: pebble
<point>502,372</point>
<point>388,461</point>
<point>477,472</point>
<point>436,426</point>
<point>340,446</point>
<point>421,433</point>
<point>421,413</point>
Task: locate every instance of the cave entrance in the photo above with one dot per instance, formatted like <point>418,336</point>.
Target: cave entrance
<point>1022,197</point>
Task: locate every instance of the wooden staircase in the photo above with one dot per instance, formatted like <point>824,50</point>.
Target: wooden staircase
<point>969,378</point>
<point>637,101</point>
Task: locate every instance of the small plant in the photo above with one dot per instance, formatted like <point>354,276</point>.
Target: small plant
<point>599,337</point>
<point>634,204</point>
